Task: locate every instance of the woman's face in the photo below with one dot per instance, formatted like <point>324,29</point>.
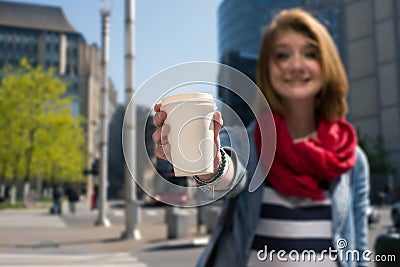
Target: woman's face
<point>295,70</point>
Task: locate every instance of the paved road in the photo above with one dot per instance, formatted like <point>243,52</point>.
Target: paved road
<point>375,230</point>
<point>35,238</point>
<point>67,260</point>
<point>174,257</point>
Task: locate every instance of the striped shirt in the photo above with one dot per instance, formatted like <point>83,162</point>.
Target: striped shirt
<point>293,230</point>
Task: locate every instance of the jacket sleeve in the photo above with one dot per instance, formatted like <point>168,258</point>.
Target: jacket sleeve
<point>361,187</point>
<point>233,143</point>
<point>239,179</point>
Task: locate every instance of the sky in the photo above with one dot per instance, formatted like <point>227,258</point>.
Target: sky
<point>168,32</point>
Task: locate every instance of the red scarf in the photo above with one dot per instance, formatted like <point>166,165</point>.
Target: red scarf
<point>300,168</point>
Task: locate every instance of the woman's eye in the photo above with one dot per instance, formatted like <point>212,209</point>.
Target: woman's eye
<point>311,54</point>
<point>281,55</point>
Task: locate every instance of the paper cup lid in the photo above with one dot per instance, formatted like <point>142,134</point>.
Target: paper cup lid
<point>186,97</point>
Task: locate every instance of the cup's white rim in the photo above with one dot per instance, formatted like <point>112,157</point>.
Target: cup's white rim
<point>187,97</point>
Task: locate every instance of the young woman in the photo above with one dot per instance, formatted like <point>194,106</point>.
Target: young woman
<point>311,209</point>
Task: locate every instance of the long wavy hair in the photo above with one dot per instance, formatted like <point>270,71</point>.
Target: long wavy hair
<point>331,101</point>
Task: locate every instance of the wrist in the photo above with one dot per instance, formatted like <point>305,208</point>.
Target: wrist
<point>220,167</point>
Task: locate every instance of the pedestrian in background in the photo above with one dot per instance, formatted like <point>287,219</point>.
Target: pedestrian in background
<point>94,198</point>
<point>73,197</point>
<point>57,200</point>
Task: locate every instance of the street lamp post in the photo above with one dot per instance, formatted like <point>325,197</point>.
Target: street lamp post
<point>131,203</point>
<point>102,220</point>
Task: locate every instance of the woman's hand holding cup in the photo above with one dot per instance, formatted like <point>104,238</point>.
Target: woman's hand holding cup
<point>163,147</point>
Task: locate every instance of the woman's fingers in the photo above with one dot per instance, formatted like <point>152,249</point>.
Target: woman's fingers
<point>159,152</point>
<point>159,117</point>
<point>163,151</point>
<point>162,147</point>
<point>160,136</point>
<point>218,122</point>
<point>157,107</point>
<point>165,129</point>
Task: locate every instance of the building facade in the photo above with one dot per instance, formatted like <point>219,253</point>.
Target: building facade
<point>366,33</point>
<point>44,36</point>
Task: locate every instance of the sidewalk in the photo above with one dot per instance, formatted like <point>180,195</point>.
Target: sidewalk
<point>33,231</point>
<point>35,238</point>
<point>37,229</point>
<point>67,260</point>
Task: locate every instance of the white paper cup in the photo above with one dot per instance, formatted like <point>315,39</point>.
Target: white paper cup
<point>191,133</point>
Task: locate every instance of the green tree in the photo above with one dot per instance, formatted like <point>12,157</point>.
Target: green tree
<point>381,167</point>
<point>377,155</point>
<point>40,136</point>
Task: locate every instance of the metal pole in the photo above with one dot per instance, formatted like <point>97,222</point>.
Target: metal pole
<point>102,209</point>
<point>131,204</point>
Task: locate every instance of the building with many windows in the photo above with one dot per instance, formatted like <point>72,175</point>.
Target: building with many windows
<point>366,33</point>
<point>44,36</point>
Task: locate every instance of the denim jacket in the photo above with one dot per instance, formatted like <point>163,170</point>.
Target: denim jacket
<point>230,242</point>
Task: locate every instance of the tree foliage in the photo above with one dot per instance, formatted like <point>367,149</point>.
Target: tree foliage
<point>377,155</point>
<point>39,136</point>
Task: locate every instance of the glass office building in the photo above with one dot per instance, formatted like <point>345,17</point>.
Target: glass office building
<point>241,23</point>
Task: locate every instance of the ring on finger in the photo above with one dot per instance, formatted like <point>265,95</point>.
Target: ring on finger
<point>158,145</point>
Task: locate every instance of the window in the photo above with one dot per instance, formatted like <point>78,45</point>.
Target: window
<point>75,108</point>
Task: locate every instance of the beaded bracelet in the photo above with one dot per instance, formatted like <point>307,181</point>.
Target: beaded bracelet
<point>215,180</point>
